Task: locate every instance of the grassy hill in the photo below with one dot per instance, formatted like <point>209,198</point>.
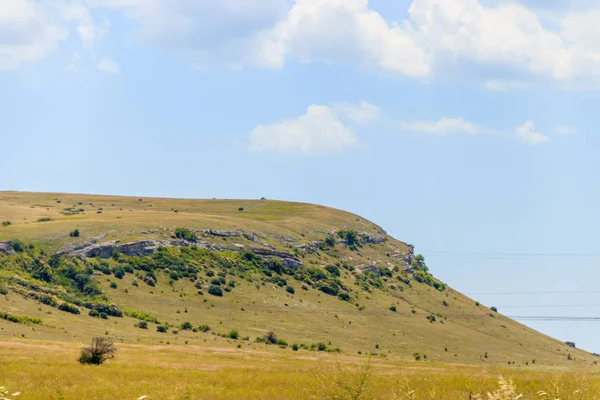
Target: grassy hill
<point>359,291</point>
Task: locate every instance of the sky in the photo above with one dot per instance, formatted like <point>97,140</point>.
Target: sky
<point>467,128</point>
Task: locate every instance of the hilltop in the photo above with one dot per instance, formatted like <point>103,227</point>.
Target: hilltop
<point>227,273</point>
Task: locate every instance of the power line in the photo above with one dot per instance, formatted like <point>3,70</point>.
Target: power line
<point>541,292</point>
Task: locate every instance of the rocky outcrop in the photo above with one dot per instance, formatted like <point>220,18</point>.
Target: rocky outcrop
<point>147,247</point>
<point>6,247</point>
<point>211,232</point>
<point>366,238</point>
<point>368,268</point>
<point>286,259</point>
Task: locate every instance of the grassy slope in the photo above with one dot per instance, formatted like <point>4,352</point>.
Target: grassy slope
<point>306,317</point>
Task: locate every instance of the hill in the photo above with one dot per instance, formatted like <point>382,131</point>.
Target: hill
<point>227,273</point>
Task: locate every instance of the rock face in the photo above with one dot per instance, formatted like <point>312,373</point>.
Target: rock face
<point>366,238</point>
<point>147,247</point>
<point>211,232</point>
<point>6,247</point>
<point>368,268</point>
<point>286,259</point>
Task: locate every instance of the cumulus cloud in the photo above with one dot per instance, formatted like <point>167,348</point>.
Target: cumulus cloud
<point>498,44</point>
<point>525,133</point>
<point>108,65</point>
<point>28,33</point>
<point>87,29</point>
<point>506,43</point>
<point>323,129</point>
<point>362,112</point>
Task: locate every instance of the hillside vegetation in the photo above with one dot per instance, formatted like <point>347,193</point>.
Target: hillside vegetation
<point>251,276</point>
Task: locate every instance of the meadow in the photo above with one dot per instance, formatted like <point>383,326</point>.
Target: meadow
<point>49,370</point>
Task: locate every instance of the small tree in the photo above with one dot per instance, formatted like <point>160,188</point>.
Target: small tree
<point>100,350</point>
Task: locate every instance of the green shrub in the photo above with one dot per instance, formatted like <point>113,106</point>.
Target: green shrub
<point>100,350</point>
<point>74,233</point>
<point>70,308</point>
<point>6,223</point>
<point>351,238</point>
<point>344,296</point>
<point>186,326</point>
<point>417,356</point>
<point>113,284</point>
<point>290,289</point>
<point>142,316</point>
<point>186,234</point>
<point>161,329</point>
<point>204,328</point>
<point>393,308</point>
<point>18,246</point>
<point>215,291</point>
<point>142,325</point>
<point>233,334</point>
<point>333,270</point>
<point>94,313</point>
<point>44,219</point>
<point>103,315</point>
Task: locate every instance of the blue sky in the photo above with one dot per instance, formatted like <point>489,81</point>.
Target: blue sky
<point>463,126</point>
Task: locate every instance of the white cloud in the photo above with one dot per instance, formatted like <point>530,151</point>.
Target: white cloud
<point>268,32</point>
<point>28,33</point>
<point>362,112</point>
<point>88,30</point>
<point>443,127</point>
<point>318,131</point>
<point>565,130</point>
<point>527,134</point>
<point>108,65</point>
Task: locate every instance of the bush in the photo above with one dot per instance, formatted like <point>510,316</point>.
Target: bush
<point>142,325</point>
<point>290,289</point>
<point>295,347</point>
<point>494,309</point>
<point>393,308</point>
<point>74,233</point>
<point>241,209</point>
<point>186,326</point>
<point>94,313</point>
<point>186,234</point>
<point>417,356</point>
<point>215,291</point>
<point>119,272</point>
<point>161,329</point>
<point>18,246</point>
<point>103,315</point>
<point>329,241</point>
<point>233,334</point>
<point>44,219</point>
<point>351,237</point>
<point>100,350</point>
<point>6,223</point>
<point>204,328</point>
<point>344,296</point>
<point>70,308</point>
<point>113,285</point>
<point>333,270</point>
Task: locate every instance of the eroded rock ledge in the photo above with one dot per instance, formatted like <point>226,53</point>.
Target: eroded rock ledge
<point>147,247</point>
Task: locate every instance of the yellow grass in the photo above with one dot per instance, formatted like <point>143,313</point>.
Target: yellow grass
<point>49,370</point>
